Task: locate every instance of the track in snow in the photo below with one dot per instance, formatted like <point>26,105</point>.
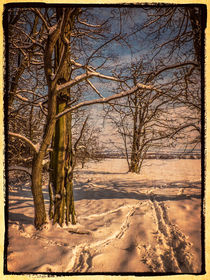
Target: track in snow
<point>172,253</point>
<point>83,253</point>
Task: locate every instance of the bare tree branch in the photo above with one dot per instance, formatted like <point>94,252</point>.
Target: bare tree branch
<point>88,24</point>
<point>94,88</point>
<point>107,99</point>
<point>81,133</point>
<point>38,12</point>
<point>81,78</point>
<point>26,140</point>
<point>169,67</point>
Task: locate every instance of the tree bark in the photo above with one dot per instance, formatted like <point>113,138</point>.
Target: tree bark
<point>62,164</point>
<point>62,161</point>
<point>59,166</point>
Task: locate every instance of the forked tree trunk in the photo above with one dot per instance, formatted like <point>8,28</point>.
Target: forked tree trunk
<point>138,149</point>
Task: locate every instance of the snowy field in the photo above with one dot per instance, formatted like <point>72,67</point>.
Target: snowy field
<point>126,222</point>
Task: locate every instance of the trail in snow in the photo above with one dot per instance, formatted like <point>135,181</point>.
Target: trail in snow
<point>172,253</point>
<point>83,253</point>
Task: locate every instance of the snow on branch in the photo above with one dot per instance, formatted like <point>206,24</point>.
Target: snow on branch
<point>83,77</point>
<point>95,89</point>
<point>78,65</point>
<point>26,140</point>
<point>107,99</point>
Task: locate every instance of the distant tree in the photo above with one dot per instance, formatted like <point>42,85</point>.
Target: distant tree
<point>142,121</point>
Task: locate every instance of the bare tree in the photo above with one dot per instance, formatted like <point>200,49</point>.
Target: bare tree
<point>142,121</point>
<point>56,34</point>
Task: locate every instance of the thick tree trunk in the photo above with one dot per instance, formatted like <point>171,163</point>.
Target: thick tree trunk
<point>138,149</point>
<point>59,166</point>
<point>62,156</point>
<point>62,164</point>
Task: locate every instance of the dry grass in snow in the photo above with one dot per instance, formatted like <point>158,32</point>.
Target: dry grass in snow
<point>126,222</point>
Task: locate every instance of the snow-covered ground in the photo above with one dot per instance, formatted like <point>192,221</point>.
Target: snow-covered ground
<point>126,222</point>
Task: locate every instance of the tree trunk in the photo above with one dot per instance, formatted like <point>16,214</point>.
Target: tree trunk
<point>134,162</point>
<point>39,207</point>
<point>59,166</point>
<point>62,162</point>
<point>70,163</point>
<point>196,22</point>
